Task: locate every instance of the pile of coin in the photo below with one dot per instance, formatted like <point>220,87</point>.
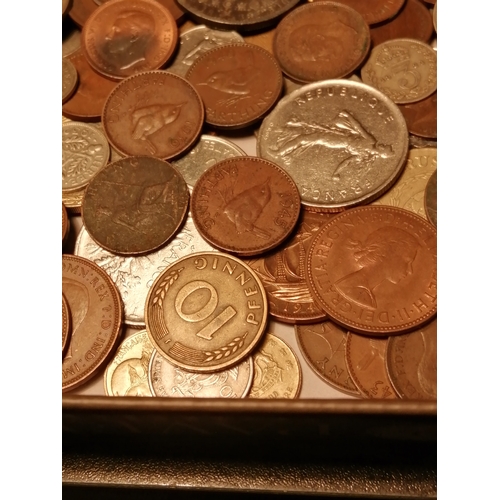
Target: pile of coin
<point>202,246</point>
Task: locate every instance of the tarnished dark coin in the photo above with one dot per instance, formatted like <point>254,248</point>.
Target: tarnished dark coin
<point>125,37</point>
<point>323,347</point>
<point>374,269</point>
<point>65,224</point>
<point>66,324</point>
<point>421,116</point>
<point>69,79</point>
<point>239,83</point>
<point>96,318</point>
<point>135,205</point>
<point>245,205</point>
<point>430,199</point>
<point>153,113</point>
<point>412,363</point>
<point>320,41</point>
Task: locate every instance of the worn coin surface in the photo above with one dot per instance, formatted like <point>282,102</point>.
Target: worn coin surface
<point>320,41</point>
<point>239,83</point>
<point>206,312</point>
<point>125,37</point>
<point>153,113</point>
<point>85,151</point>
<point>365,360</point>
<point>412,363</point>
<point>430,199</point>
<point>168,380</point>
<point>421,116</point>
<point>343,142</point>
<point>277,372</point>
<point>135,205</point>
<point>66,324</point>
<point>127,373</point>
<point>134,275</point>
<point>245,205</point>
<point>323,347</point>
<point>96,318</point>
<point>374,269</point>
<point>69,79</point>
<point>404,69</point>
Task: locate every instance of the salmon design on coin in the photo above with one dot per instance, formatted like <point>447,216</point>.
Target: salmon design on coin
<point>374,270</point>
<point>206,312</point>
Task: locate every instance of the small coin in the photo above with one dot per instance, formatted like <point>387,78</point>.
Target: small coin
<point>65,224</point>
<point>96,318</point>
<point>168,380</point>
<point>431,199</point>
<point>323,347</point>
<point>73,201</point>
<point>277,372</point>
<point>245,205</point>
<point>403,69</point>
<point>69,79</point>
<point>85,151</point>
<point>320,41</point>
<point>66,324</point>
<point>153,113</point>
<point>70,38</point>
<point>412,363</point>
<point>421,116</point>
<point>239,83</point>
<point>373,270</point>
<point>206,312</point>
<point>125,37</point>
<point>127,373</point>
<point>135,205</point>
<point>365,360</point>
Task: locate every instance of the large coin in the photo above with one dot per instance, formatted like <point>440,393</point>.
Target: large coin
<point>96,318</point>
<point>373,270</point>
<point>206,312</point>
<point>344,143</point>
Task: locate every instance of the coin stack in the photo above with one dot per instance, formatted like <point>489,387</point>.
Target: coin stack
<point>249,198</point>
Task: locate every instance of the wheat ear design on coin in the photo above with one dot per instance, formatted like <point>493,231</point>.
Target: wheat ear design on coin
<point>164,285</point>
<point>227,350</point>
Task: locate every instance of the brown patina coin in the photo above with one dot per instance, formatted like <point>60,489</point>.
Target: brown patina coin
<point>87,103</point>
<point>135,205</point>
<point>283,273</point>
<point>69,79</point>
<point>365,360</point>
<point>96,318</point>
<point>206,312</point>
<point>413,21</point>
<point>125,37</point>
<point>430,199</point>
<point>153,113</point>
<point>373,270</point>
<point>421,116</point>
<point>66,324</point>
<point>412,363</point>
<point>65,224</point>
<point>320,41</point>
<point>245,205</point>
<point>80,10</point>
<point>239,83</point>
<point>323,347</point>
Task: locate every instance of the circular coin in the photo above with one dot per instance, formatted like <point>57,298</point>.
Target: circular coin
<point>65,224</point>
<point>153,113</point>
<point>239,83</point>
<point>373,270</point>
<point>96,318</point>
<point>80,11</point>
<point>135,205</point>
<point>125,37</point>
<point>73,201</point>
<point>245,205</point>
<point>69,79</point>
<point>431,199</point>
<point>66,325</point>
<point>421,116</point>
<point>206,312</point>
<point>321,40</point>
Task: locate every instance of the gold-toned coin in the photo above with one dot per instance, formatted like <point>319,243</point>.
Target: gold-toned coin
<point>430,199</point>
<point>127,374</point>
<point>277,372</point>
<point>206,312</point>
<point>73,201</point>
<point>69,79</point>
<point>65,324</point>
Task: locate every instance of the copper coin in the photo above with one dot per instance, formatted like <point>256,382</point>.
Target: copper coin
<point>245,205</point>
<point>412,363</point>
<point>87,103</point>
<point>323,347</point>
<point>66,324</point>
<point>126,37</point>
<point>283,274</point>
<point>320,41</point>
<point>69,79</point>
<point>373,270</point>
<point>239,83</point>
<point>80,10</point>
<point>153,113</point>
<point>365,360</point>
<point>206,312</point>
<point>421,116</point>
<point>430,199</point>
<point>96,319</point>
<point>65,224</point>
<point>135,205</point>
<point>413,21</point>
<point>171,5</point>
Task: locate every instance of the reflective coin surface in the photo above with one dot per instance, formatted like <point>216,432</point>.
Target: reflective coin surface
<point>431,199</point>
<point>69,79</point>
